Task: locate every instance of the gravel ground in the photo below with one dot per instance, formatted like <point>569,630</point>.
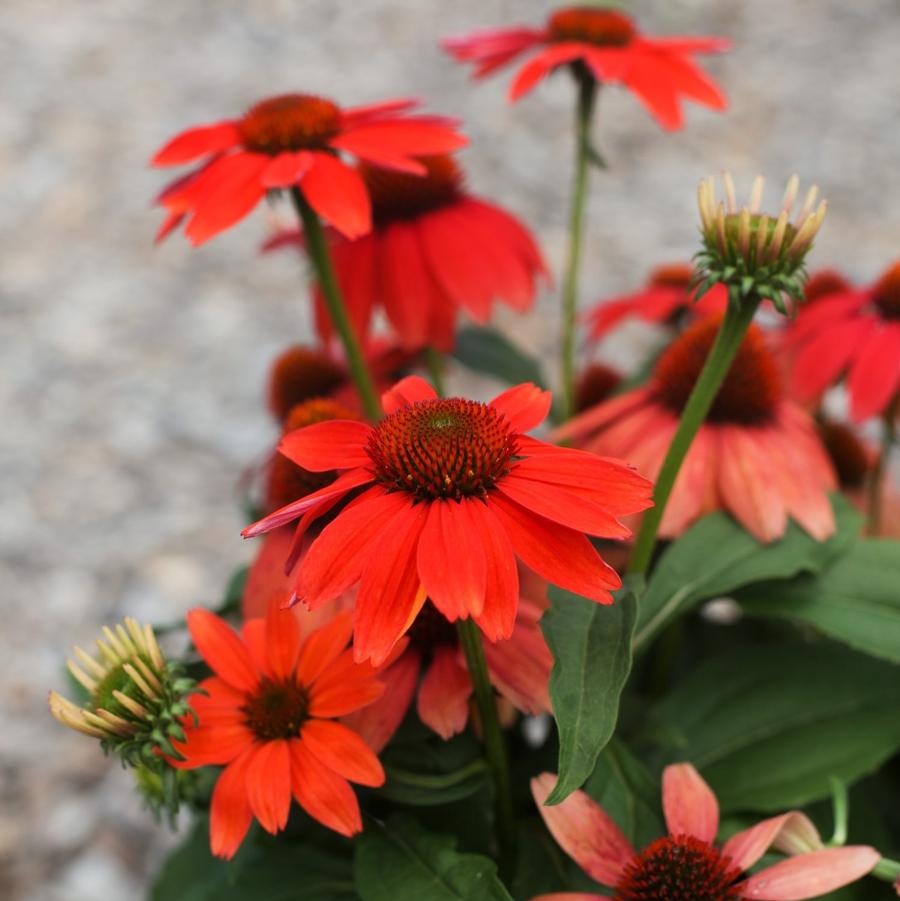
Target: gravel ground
<point>133,374</point>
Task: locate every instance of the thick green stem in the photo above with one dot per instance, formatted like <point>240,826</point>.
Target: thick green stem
<point>435,363</point>
<point>494,746</point>
<point>882,465</point>
<point>317,249</point>
<point>887,870</point>
<point>587,96</point>
<point>734,326</point>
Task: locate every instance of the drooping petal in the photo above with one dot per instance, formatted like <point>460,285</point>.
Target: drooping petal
<point>196,142</point>
<point>323,446</point>
<point>545,61</point>
<point>230,813</point>
<point>501,593</point>
<point>450,561</point>
<point>338,557</point>
<point>342,751</point>
<point>689,805</point>
<point>520,667</point>
<point>322,793</point>
<point>356,115</point>
<point>268,782</point>
<point>492,48</point>
<point>810,875</point>
<point>407,391</point>
<point>822,359</point>
<point>525,406</point>
<point>390,594</point>
<point>559,554</point>
<point>377,722</point>
<point>443,700</point>
<point>222,649</point>
<point>338,194</point>
<point>394,143</point>
<point>585,832</point>
<point>405,282</point>
<point>287,169</point>
<point>875,374</point>
<point>748,846</point>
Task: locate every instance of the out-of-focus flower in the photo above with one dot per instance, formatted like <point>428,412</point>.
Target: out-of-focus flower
<point>751,252</point>
<point>595,384</point>
<point>824,283</point>
<point>302,373</point>
<point>605,45</point>
<point>757,455</point>
<point>452,491</point>
<point>295,141</point>
<point>666,296</point>
<point>285,480</point>
<point>685,863</point>
<point>268,716</point>
<point>434,249</point>
<point>136,698</point>
<point>854,332</point>
<point>851,457</point>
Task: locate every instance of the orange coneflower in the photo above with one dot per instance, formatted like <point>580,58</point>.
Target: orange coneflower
<point>686,863</point>
<point>608,46</point>
<point>757,455</point>
<point>452,492</point>
<point>434,249</point>
<point>295,141</point>
<point>267,714</point>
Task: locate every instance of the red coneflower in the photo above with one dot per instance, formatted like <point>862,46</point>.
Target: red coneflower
<point>452,491</point>
<point>685,864</point>
<point>606,45</point>
<point>665,296</point>
<point>852,331</point>
<point>596,382</point>
<point>295,140</point>
<point>268,714</point>
<point>433,249</point>
<point>757,455</point>
<point>824,283</point>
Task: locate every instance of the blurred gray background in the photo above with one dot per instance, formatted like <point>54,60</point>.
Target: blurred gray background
<point>133,374</point>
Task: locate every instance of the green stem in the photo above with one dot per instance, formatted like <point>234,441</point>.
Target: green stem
<point>435,363</point>
<point>841,805</point>
<point>587,96</point>
<point>317,249</point>
<point>721,355</point>
<point>494,746</point>
<point>886,869</point>
<point>882,464</point>
<point>435,782</point>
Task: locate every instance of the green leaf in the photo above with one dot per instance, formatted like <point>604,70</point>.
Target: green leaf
<point>265,869</point>
<point>591,645</point>
<point>855,599</point>
<point>485,350</point>
<point>401,861</point>
<point>768,726</point>
<point>688,573</point>
<point>624,788</point>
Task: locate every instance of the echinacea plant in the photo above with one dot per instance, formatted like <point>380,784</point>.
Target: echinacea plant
<point>660,576</point>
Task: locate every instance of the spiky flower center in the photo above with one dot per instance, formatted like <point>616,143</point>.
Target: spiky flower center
<point>278,709</point>
<point>592,25</point>
<point>672,275</point>
<point>887,293</point>
<point>682,868</point>
<point>298,374</point>
<point>399,195</point>
<point>447,448</point>
<point>289,122</point>
<point>847,453</point>
<point>751,391</point>
<point>824,283</point>
<point>431,630</point>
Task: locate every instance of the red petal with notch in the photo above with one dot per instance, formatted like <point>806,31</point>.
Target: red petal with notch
<point>501,595</point>
<point>287,169</point>
<point>338,194</point>
<point>322,793</point>
<point>220,646</point>
<point>230,813</point>
<point>525,406</point>
<point>343,751</point>
<point>323,647</point>
<point>282,636</point>
<point>407,392</point>
<point>323,446</point>
<point>689,803</point>
<point>197,142</point>
<point>268,781</point>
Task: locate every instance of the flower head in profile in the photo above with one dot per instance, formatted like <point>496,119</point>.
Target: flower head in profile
<point>268,716</point>
<point>749,251</point>
<point>434,249</point>
<point>136,699</point>
<point>686,863</point>
<point>441,498</point>
<point>758,455</point>
<point>852,332</point>
<point>605,45</point>
<point>295,141</point>
<point>665,298</point>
